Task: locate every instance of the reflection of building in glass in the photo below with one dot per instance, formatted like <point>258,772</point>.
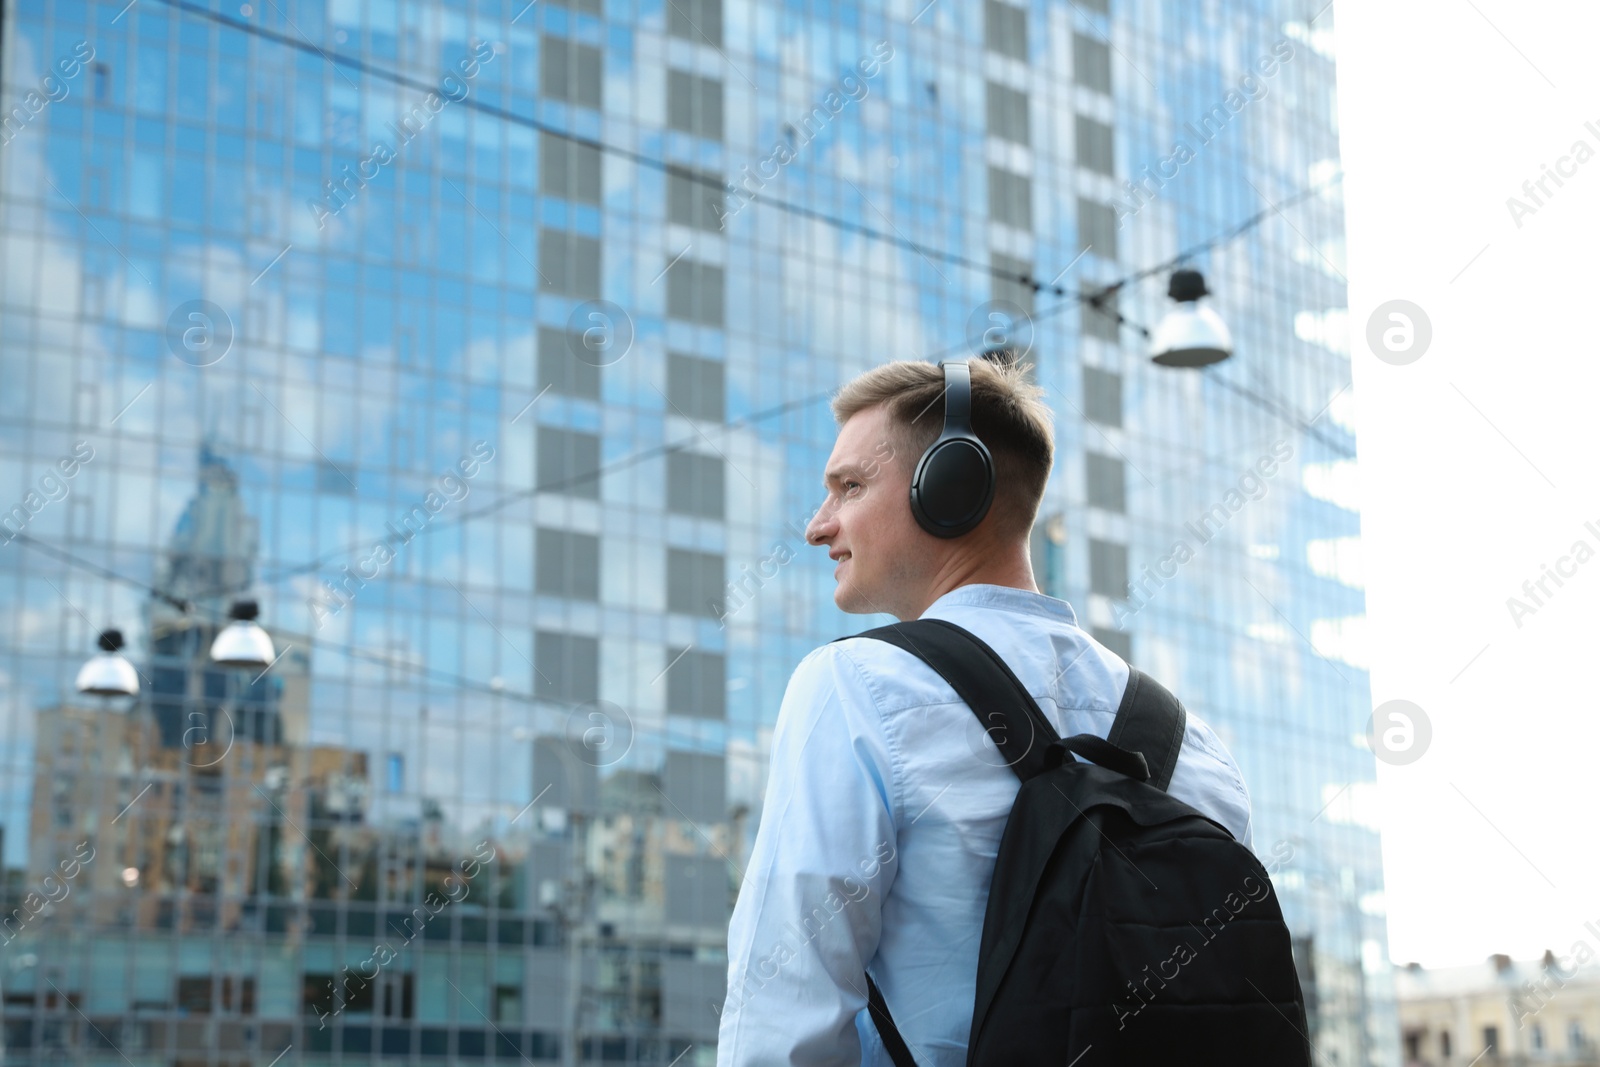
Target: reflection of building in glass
<point>1504,1012</point>
<point>574,656</point>
<point>210,561</point>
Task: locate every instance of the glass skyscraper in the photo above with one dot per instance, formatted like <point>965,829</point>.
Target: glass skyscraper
<point>486,346</point>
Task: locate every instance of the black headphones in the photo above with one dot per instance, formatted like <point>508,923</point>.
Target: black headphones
<point>954,482</point>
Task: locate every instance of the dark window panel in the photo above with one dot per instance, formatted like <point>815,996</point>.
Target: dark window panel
<point>1116,641</point>
<point>1091,63</point>
<point>1097,227</point>
<point>697,684</point>
<point>1108,568</point>
<point>1107,482</point>
<point>570,71</point>
<point>1010,287</point>
<point>694,198</point>
<point>694,104</point>
<point>566,459</point>
<point>1010,198</point>
<point>569,169</point>
<point>1007,113</point>
<point>569,667</point>
<point>1102,396</point>
<point>695,292</point>
<point>695,386</point>
<point>567,564</point>
<point>696,20</point>
<point>1094,145</point>
<point>569,263</point>
<point>561,369</point>
<point>696,787</point>
<point>696,582</point>
<point>695,485</point>
<point>1005,29</point>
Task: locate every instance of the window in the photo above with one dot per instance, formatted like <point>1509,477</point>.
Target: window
<point>397,773</point>
<point>569,263</point>
<point>1010,199</point>
<point>1097,227</point>
<point>696,787</point>
<point>1535,1038</point>
<point>1091,63</point>
<point>1491,1038</point>
<point>316,994</point>
<point>1103,7</point>
<point>697,20</point>
<point>1107,482</point>
<point>561,369</point>
<point>567,564</point>
<point>1108,568</point>
<point>1007,284</point>
<point>694,386</point>
<point>1005,29</point>
<point>570,71</point>
<point>695,485</point>
<point>569,169</point>
<point>1101,322</point>
<point>695,582</point>
<point>1116,641</point>
<point>1444,1044</point>
<point>694,197</point>
<point>569,666</point>
<point>1094,146</point>
<point>697,684</point>
<point>507,1004</point>
<point>1008,113</point>
<point>1575,1037</point>
<point>588,7</point>
<point>194,995</point>
<point>694,104</point>
<point>694,292</point>
<point>568,460</point>
<point>1102,396</point>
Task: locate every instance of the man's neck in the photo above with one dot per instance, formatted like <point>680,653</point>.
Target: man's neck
<point>1013,571</point>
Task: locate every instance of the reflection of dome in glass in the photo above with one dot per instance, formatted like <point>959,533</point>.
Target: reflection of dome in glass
<point>213,549</point>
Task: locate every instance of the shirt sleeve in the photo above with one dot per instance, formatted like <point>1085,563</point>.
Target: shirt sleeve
<point>808,915</point>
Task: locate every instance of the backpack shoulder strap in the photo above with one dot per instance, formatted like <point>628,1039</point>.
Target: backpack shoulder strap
<point>1150,720</point>
<point>996,696</point>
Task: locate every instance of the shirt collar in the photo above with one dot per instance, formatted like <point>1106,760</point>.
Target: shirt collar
<point>1004,597</point>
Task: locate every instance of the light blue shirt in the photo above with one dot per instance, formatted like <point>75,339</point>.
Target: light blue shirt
<point>884,808</point>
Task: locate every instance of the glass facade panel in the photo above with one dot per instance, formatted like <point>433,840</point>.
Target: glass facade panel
<point>341,308</point>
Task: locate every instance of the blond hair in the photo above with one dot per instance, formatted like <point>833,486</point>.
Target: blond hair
<point>1007,415</point>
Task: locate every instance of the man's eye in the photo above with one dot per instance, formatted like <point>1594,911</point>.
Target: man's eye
<point>847,485</point>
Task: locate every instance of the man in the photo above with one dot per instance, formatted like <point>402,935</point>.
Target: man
<point>885,801</point>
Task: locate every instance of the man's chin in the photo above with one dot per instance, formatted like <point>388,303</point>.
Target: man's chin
<point>848,599</point>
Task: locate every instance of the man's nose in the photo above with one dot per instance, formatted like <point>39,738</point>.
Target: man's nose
<point>822,525</point>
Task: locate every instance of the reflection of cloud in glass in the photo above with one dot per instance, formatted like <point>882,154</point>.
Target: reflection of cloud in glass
<point>1338,558</point>
<point>1336,482</point>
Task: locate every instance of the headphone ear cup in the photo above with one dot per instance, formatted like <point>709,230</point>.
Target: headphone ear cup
<point>953,486</point>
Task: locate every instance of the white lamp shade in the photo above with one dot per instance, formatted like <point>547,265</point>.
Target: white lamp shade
<point>1191,336</point>
<point>108,675</point>
<point>242,643</point>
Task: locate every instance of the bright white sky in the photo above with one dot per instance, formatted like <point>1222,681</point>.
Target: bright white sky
<point>1477,461</point>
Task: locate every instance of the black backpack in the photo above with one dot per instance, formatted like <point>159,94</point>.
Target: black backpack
<point>1122,926</point>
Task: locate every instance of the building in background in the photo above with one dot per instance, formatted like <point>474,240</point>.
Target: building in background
<point>488,348</point>
<point>1503,1012</point>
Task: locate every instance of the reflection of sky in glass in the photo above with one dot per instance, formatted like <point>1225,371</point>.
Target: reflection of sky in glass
<point>377,350</point>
